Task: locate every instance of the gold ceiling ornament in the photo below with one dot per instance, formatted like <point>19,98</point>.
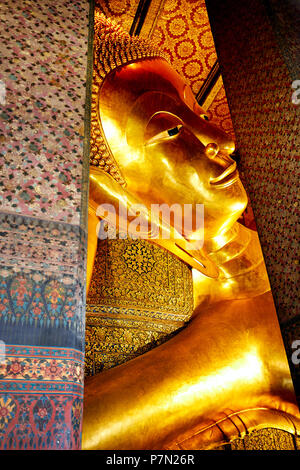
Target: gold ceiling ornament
<point>113,48</point>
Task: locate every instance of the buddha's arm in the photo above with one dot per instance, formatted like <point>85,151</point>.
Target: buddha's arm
<point>230,358</point>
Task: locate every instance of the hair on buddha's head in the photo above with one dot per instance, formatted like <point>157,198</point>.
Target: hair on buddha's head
<point>113,48</point>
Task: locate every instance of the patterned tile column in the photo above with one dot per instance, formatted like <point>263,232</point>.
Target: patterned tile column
<point>45,49</point>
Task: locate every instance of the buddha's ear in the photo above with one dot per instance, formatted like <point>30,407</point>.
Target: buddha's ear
<point>206,265</point>
<point>188,249</point>
<point>197,259</point>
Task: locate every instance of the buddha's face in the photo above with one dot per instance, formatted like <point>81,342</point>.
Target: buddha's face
<point>166,149</point>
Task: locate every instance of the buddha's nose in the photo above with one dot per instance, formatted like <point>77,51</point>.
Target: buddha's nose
<point>218,142</point>
<point>220,154</point>
<point>211,150</point>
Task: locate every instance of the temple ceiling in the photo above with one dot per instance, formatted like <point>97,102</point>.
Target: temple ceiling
<point>182,30</point>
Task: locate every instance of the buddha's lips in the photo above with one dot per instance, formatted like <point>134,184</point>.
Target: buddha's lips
<point>227,177</point>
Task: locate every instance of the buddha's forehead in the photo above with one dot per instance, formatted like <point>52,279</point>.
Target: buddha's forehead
<point>150,75</point>
<point>123,87</point>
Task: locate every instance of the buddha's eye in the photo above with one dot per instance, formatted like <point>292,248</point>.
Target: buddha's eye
<point>174,130</point>
<point>165,135</point>
<point>204,116</point>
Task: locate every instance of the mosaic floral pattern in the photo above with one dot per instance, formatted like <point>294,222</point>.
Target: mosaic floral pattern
<point>219,113</point>
<point>42,413</point>
<point>163,285</point>
<point>138,259</point>
<point>42,101</point>
<point>140,295</point>
<point>66,368</point>
<point>43,71</point>
<point>7,411</point>
<point>30,242</point>
<point>41,398</point>
<point>109,344</point>
<point>41,281</point>
<point>43,304</point>
<point>42,315</point>
<point>40,422</point>
<point>183,33</point>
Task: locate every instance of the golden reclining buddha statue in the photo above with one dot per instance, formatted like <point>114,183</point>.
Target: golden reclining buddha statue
<point>226,372</point>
